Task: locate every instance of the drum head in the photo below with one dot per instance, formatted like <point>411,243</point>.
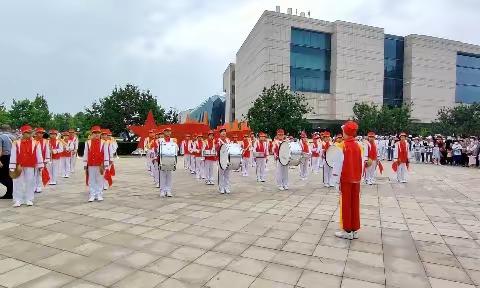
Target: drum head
<point>284,153</point>
<point>223,157</point>
<point>333,155</point>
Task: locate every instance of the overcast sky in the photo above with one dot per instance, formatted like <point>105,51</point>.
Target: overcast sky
<point>76,51</point>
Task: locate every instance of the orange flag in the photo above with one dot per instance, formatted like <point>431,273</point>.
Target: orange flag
<point>45,176</point>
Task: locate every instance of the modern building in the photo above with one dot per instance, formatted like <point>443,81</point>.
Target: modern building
<point>337,64</point>
<point>213,108</point>
<point>229,90</point>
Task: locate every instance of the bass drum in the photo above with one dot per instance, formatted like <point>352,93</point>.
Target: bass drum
<point>235,156</point>
<point>296,155</point>
<point>333,155</point>
<point>168,156</point>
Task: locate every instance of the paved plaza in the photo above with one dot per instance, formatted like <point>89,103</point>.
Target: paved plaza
<point>421,234</point>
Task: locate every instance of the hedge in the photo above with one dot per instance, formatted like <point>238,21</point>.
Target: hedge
<point>124,148</point>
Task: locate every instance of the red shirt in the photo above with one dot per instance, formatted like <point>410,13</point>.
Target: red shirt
<point>372,150</point>
<point>27,156</point>
<point>352,162</point>
<point>95,153</point>
<point>245,145</point>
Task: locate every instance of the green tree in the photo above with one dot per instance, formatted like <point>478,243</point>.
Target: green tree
<point>277,107</point>
<point>171,116</point>
<point>458,120</point>
<point>382,120</point>
<point>123,107</point>
<point>61,122</point>
<point>4,115</point>
<point>34,113</point>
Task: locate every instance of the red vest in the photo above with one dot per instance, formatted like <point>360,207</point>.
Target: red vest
<point>261,147</point>
<point>246,152</point>
<point>95,152</point>
<point>325,147</point>
<point>402,152</point>
<point>185,147</point>
<point>43,146</point>
<point>315,147</point>
<point>305,148</point>
<point>199,147</point>
<point>54,146</point>
<point>209,146</point>
<point>372,151</point>
<point>27,153</point>
<point>352,162</point>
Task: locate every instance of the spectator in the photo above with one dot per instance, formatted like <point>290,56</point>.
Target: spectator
<point>472,153</point>
<point>457,153</point>
<point>6,139</point>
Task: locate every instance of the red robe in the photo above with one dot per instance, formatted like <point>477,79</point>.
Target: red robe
<point>350,185</point>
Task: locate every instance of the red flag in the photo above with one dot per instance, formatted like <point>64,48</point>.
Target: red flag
<point>380,167</point>
<point>108,176</point>
<point>112,170</point>
<point>45,176</point>
<point>394,166</point>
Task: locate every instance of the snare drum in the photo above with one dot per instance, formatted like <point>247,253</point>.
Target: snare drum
<point>168,156</point>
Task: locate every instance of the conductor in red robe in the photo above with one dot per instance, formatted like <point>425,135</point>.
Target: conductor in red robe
<point>347,171</point>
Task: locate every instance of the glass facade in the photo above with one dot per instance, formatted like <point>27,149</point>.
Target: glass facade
<point>310,54</point>
<point>393,70</point>
<point>214,107</point>
<point>468,78</point>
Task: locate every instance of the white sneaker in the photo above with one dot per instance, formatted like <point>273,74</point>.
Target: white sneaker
<point>91,199</point>
<point>227,191</point>
<point>52,183</point>
<point>16,204</point>
<point>326,185</point>
<point>100,198</point>
<point>222,191</point>
<point>403,181</point>
<point>281,188</point>
<point>355,234</point>
<point>169,194</point>
<point>344,235</point>
<point>285,187</point>
<point>29,203</point>
<point>157,185</point>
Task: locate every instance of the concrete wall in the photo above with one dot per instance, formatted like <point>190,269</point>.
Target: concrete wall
<point>228,82</point>
<point>430,74</point>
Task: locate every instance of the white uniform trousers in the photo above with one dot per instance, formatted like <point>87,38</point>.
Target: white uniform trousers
<point>155,173</point>
<point>327,176</point>
<point>38,181</point>
<point>53,168</point>
<point>65,166</point>
<point>370,173</point>
<point>24,186</point>
<point>282,175</point>
<point>209,164</point>
<point>252,160</point>
<point>165,183</point>
<point>304,168</point>
<point>73,161</point>
<point>95,181</point>
<point>186,161</point>
<point>322,162</point>
<point>402,173</point>
<point>224,180</point>
<point>261,165</point>
<point>199,168</point>
<point>245,165</point>
<point>192,164</point>
<point>316,165</point>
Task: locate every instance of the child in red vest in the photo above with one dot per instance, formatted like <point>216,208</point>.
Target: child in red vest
<point>26,155</point>
<point>246,146</point>
<point>45,148</point>
<point>95,160</point>
<point>56,150</point>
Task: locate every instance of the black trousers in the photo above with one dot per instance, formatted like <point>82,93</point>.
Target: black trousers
<point>4,175</point>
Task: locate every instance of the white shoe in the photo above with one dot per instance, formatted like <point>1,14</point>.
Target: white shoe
<point>355,234</point>
<point>262,180</point>
<point>332,185</point>
<point>222,191</point>
<point>91,199</point>
<point>52,183</point>
<point>169,194</point>
<point>162,194</point>
<point>100,198</point>
<point>157,185</point>
<point>29,203</point>
<point>285,187</point>
<point>281,188</point>
<point>326,185</point>
<point>403,181</point>
<point>227,191</point>
<point>16,204</point>
<point>344,235</point>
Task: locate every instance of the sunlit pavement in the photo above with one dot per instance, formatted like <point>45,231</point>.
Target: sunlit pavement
<point>421,234</point>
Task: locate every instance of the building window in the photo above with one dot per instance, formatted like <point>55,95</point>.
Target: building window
<point>468,78</point>
<point>393,70</point>
<point>310,54</point>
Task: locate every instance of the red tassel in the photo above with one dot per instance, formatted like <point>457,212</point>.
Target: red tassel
<point>394,166</point>
<point>380,167</point>
<point>112,170</point>
<point>45,176</point>
<point>108,176</point>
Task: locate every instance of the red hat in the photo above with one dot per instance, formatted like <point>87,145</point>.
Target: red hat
<point>65,133</point>
<point>211,132</point>
<point>222,129</point>
<point>39,130</point>
<point>26,129</point>
<point>350,128</point>
<point>152,131</point>
<point>94,129</point>
<point>71,130</point>
<point>104,131</point>
<point>53,131</point>
<point>316,136</point>
<point>280,132</point>
<point>339,135</point>
<point>199,135</point>
<point>109,132</point>
<point>403,134</point>
<point>187,135</point>
<point>326,134</point>
<point>371,134</point>
<point>167,129</point>
<point>246,135</point>
<point>262,134</point>
<point>303,134</point>
<point>251,133</point>
<point>235,136</point>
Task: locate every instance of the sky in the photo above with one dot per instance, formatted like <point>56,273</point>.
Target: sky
<point>76,51</point>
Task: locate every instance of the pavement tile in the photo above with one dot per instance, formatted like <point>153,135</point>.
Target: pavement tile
<point>281,273</point>
<point>22,275</point>
<point>230,279</point>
